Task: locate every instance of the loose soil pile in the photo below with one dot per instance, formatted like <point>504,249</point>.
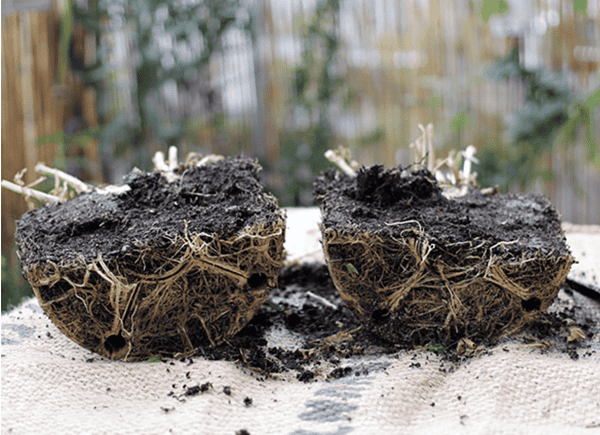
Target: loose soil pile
<point>417,267</point>
<point>161,269</point>
<point>331,344</point>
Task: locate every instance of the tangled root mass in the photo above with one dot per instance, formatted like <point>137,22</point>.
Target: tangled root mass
<point>161,269</point>
<point>417,267</point>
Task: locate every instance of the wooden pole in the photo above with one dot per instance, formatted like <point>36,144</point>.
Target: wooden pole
<point>26,74</point>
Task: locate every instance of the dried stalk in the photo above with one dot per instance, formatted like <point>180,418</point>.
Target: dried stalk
<point>336,158</point>
<point>72,181</point>
<point>23,190</point>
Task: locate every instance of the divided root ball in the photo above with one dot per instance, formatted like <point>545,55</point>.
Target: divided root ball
<point>417,267</point>
<point>161,269</point>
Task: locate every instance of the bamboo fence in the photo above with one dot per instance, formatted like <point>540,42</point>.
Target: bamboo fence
<point>35,105</point>
<point>411,62</point>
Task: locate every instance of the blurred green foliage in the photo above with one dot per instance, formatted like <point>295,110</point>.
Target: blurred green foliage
<point>66,142</point>
<point>316,83</point>
<point>14,287</point>
<point>490,7</point>
<point>580,6</point>
<point>198,26</point>
<point>66,28</point>
<point>551,114</point>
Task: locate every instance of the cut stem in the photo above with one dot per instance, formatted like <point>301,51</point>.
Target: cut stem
<point>469,155</point>
<point>334,157</point>
<point>209,159</point>
<point>72,181</point>
<point>30,192</point>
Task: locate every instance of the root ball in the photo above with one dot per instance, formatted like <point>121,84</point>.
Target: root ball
<point>161,269</point>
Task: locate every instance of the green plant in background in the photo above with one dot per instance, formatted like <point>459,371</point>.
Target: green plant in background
<point>580,6</point>
<point>66,28</point>
<point>489,7</point>
<point>316,83</point>
<point>218,131</point>
<point>66,142</point>
<point>550,112</point>
<point>552,115</point>
<point>458,123</point>
<point>14,286</point>
<point>198,27</point>
<point>581,116</point>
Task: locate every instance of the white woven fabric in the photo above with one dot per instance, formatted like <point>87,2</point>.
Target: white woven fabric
<point>50,385</point>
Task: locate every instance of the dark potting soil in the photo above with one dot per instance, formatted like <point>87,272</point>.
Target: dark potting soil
<point>221,197</point>
<point>377,197</point>
<point>402,252</point>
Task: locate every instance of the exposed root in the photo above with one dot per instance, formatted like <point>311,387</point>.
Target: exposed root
<point>469,289</point>
<point>200,291</point>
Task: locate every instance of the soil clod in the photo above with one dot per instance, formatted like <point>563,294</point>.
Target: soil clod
<point>418,267</point>
<point>162,268</point>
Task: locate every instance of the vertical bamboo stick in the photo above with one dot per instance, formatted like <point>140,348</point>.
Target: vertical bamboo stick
<point>26,72</point>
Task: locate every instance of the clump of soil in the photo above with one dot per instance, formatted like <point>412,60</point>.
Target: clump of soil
<point>160,269</point>
<point>418,267</point>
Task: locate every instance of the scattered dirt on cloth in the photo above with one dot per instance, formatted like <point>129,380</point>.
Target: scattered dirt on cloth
<point>417,266</point>
<point>315,323</point>
<point>324,333</point>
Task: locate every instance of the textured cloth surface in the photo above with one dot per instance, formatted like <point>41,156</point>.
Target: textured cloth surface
<point>50,385</point>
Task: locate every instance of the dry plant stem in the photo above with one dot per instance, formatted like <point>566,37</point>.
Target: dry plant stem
<point>68,180</point>
<point>333,157</point>
<point>115,190</point>
<point>159,162</point>
<point>421,145</point>
<point>209,159</point>
<point>469,155</point>
<point>431,148</point>
<point>74,182</point>
<point>423,141</point>
<point>173,163</point>
<point>30,192</point>
<point>166,169</point>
